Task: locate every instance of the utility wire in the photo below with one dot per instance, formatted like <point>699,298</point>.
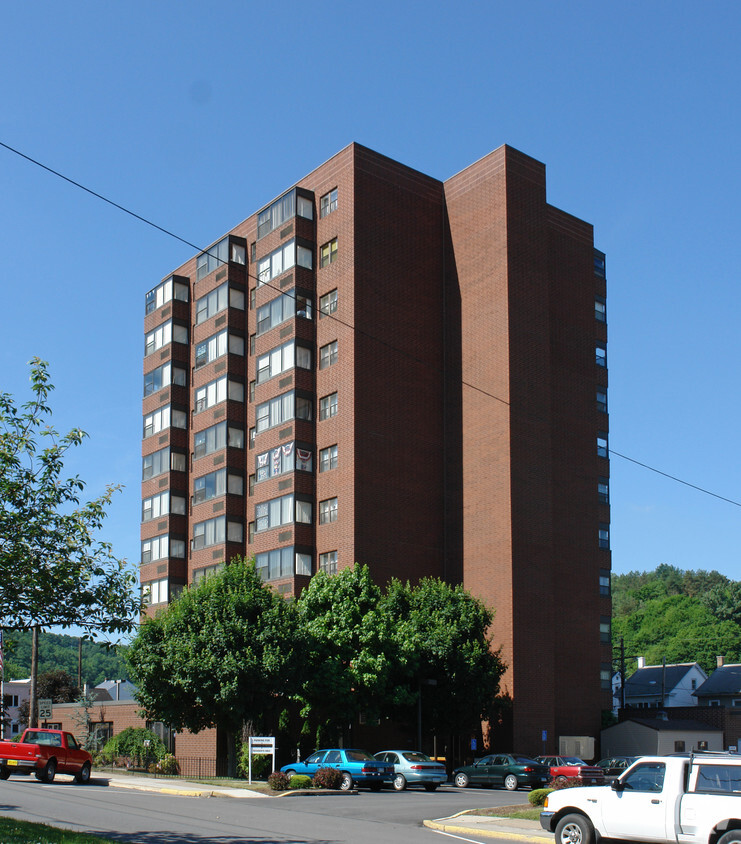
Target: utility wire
<point>332,316</point>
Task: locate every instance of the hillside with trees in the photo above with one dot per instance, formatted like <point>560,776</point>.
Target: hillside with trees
<point>61,652</point>
<point>680,616</point>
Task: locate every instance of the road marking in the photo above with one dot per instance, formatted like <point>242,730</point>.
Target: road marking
<point>459,837</point>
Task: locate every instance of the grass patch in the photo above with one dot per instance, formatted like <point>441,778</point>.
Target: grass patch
<point>25,832</point>
<point>525,812</point>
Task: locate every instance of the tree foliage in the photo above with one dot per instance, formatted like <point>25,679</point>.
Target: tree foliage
<point>53,570</point>
<point>680,616</point>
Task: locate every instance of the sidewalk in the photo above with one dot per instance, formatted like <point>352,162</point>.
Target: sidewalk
<point>483,826</point>
<point>183,788</point>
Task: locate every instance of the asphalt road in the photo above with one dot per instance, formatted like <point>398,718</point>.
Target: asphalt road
<point>149,818</point>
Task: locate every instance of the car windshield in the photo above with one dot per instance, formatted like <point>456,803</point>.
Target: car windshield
<point>416,757</point>
<point>573,760</point>
<point>359,756</point>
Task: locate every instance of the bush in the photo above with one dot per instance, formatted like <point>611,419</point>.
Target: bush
<point>537,796</point>
<point>131,743</point>
<point>300,781</point>
<point>568,782</point>
<point>278,781</point>
<point>168,765</point>
<point>261,763</point>
<point>327,778</point>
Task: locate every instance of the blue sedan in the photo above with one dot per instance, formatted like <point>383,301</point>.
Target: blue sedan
<point>357,767</point>
<point>413,768</point>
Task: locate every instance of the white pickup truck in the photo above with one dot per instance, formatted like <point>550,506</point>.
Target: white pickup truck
<point>693,799</point>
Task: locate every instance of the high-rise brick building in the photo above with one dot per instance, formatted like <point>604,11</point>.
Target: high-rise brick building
<point>380,367</point>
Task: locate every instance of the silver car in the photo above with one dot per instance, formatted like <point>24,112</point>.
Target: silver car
<point>413,768</point>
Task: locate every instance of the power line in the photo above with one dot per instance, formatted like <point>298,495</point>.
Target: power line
<point>332,316</point>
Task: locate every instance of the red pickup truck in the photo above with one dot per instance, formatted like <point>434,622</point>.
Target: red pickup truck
<point>45,752</point>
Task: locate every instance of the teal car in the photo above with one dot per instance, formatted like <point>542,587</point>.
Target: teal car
<point>357,767</point>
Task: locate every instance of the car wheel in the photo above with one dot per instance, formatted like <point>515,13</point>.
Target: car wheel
<point>83,775</point>
<point>4,773</point>
<point>431,786</point>
<point>510,782</point>
<point>347,783</point>
<point>49,772</point>
<point>730,837</point>
<point>561,780</point>
<point>461,780</point>
<point>574,829</point>
<point>290,773</point>
<point>400,782</point>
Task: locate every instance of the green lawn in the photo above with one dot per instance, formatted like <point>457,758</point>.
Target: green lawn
<point>23,832</point>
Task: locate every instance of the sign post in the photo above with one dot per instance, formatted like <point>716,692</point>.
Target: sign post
<point>260,745</point>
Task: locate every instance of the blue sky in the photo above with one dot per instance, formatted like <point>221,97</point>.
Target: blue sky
<point>194,116</point>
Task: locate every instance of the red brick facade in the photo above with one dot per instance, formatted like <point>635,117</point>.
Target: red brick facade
<point>465,422</point>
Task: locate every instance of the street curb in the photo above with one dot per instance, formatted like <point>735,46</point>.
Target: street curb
<point>466,830</point>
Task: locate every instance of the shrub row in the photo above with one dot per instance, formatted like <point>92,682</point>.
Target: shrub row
<point>323,778</point>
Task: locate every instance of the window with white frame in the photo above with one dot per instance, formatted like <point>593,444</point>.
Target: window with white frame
<point>215,484</point>
<point>155,464</point>
<point>218,300</point>
<point>328,203</point>
<point>162,419</point>
<point>161,505</point>
<point>328,562</point>
<point>162,377</point>
<point>328,406</point>
<point>163,335</point>
<point>155,592</point>
<point>328,458</point>
<point>328,253</point>
<point>156,548</point>
<point>218,345</point>
<point>284,510</point>
<point>327,511</point>
<point>328,303</point>
<point>210,532</point>
<point>216,392</point>
<point>328,355</point>
<point>218,255</point>
<point>164,293</point>
<point>282,562</point>
<point>281,460</point>
<point>206,571</point>
<point>280,409</point>
<point>279,212</point>
<point>282,259</point>
<point>282,358</point>
<point>216,438</point>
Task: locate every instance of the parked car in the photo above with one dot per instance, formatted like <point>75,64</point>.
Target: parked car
<point>510,770</point>
<point>45,752</point>
<point>358,767</point>
<point>613,766</point>
<point>413,768</point>
<point>572,767</point>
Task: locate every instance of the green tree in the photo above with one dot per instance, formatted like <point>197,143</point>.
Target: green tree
<point>53,569</point>
<point>350,650</point>
<point>441,631</point>
<point>218,656</point>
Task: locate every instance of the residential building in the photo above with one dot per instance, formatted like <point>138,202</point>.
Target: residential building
<point>659,686</point>
<point>385,368</point>
<point>659,737</point>
<point>15,692</point>
<point>722,688</point>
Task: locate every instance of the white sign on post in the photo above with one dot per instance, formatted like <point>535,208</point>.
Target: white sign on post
<point>261,745</point>
<point>45,704</point>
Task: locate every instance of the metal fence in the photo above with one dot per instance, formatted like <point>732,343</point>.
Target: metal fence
<point>189,767</point>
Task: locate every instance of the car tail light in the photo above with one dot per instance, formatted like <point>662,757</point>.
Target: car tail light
<point>528,770</point>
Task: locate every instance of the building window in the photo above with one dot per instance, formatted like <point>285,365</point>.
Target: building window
<point>164,293</point>
<point>161,505</point>
<point>605,633</point>
<point>282,210</point>
<point>328,355</point>
<point>328,303</point>
<point>600,309</point>
<point>156,548</point>
<point>282,259</point>
<point>328,253</point>
<point>280,562</point>
<point>303,564</point>
<point>210,532</point>
<point>282,308</point>
<point>216,438</point>
<point>155,592</point>
<point>602,447</point>
<point>281,409</point>
<point>328,562</point>
<point>602,399</point>
<point>216,392</point>
<point>155,464</point>
<point>218,255</point>
<point>328,406</point>
<point>328,458</point>
<point>603,490</point>
<point>599,263</point>
<point>601,354</point>
<point>282,358</point>
<point>605,676</point>
<point>162,377</point>
<point>604,536</point>
<point>327,511</point>
<point>215,484</point>
<point>604,582</point>
<point>206,571</point>
<point>282,511</point>
<point>281,460</point>
<point>163,335</point>
<point>218,345</point>
<point>218,300</point>
<point>328,203</point>
<point>161,419</point>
